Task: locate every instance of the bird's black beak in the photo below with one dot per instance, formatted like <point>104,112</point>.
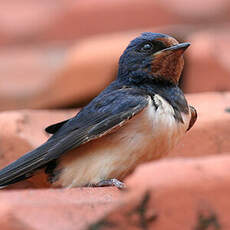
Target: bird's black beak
<point>176,49</point>
<point>168,63</point>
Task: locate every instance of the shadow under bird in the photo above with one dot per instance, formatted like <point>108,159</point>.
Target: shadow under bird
<point>139,117</point>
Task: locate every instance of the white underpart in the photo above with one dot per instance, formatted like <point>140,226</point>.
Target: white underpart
<point>147,136</point>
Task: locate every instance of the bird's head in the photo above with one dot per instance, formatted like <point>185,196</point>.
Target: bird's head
<point>153,56</point>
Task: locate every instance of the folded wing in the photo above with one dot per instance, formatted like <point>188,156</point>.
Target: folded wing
<point>101,116</point>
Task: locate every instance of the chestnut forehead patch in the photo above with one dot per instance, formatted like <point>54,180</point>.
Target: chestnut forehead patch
<point>168,41</point>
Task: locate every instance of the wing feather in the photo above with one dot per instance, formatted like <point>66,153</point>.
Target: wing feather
<point>101,116</point>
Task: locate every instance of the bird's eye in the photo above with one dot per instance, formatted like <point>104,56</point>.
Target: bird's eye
<point>147,47</point>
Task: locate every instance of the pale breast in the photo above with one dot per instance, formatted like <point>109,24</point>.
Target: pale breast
<point>147,136</point>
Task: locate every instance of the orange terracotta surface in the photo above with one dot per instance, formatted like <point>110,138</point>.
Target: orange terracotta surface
<point>64,74</point>
<point>177,194</point>
<point>52,76</point>
<point>55,209</point>
<point>168,194</point>
<point>210,134</point>
<point>40,22</point>
<point>27,71</point>
<point>210,11</point>
<point>22,131</point>
<point>208,61</point>
<point>89,67</point>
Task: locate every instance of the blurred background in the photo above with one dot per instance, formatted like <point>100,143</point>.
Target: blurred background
<point>60,54</point>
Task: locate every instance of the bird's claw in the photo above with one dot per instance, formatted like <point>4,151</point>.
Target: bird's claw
<point>111,182</point>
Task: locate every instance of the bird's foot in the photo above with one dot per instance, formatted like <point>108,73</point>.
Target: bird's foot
<point>111,182</point>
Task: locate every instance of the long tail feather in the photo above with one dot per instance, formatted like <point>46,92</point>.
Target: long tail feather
<point>24,167</point>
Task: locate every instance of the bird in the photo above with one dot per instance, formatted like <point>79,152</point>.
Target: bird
<point>138,118</point>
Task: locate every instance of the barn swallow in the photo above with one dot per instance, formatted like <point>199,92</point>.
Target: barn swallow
<point>139,117</point>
